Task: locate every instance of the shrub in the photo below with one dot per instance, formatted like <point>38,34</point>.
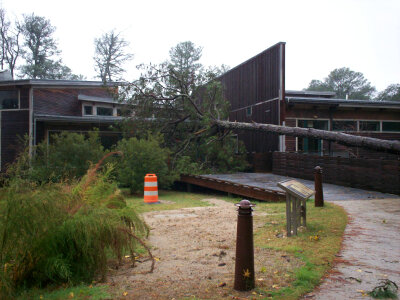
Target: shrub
<point>140,157</point>
<point>53,233</point>
<point>213,156</point>
<point>68,156</point>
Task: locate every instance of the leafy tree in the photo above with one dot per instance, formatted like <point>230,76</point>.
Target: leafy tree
<point>345,82</point>
<point>9,43</point>
<point>184,65</point>
<point>179,98</point>
<point>110,55</point>
<point>142,156</point>
<point>392,92</point>
<point>68,156</point>
<point>41,53</point>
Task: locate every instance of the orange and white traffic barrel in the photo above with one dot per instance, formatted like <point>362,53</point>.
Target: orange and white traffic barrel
<point>150,188</point>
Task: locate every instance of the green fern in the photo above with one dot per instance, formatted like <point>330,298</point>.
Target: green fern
<point>53,233</point>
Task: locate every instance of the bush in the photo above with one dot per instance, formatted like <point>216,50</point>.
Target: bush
<point>53,233</point>
<point>213,156</point>
<point>140,157</point>
<point>68,156</point>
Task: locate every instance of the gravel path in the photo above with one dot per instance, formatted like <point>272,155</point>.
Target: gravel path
<point>371,243</point>
<point>195,251</point>
<point>370,251</point>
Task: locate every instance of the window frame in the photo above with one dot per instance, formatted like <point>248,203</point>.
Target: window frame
<point>95,105</point>
<point>389,121</point>
<point>18,99</point>
<point>105,107</point>
<point>376,121</point>
<point>344,120</point>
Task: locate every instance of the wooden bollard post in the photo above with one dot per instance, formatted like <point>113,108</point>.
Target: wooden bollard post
<point>319,194</point>
<point>244,265</point>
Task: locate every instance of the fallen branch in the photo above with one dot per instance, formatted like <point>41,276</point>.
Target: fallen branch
<point>339,137</point>
<point>132,235</point>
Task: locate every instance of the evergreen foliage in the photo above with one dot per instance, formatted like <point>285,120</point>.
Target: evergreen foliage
<point>54,233</point>
<point>67,156</point>
<point>110,56</point>
<point>41,52</point>
<point>345,83</point>
<point>140,157</point>
<point>392,93</point>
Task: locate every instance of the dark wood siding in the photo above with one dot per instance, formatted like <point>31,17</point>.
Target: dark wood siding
<point>24,98</point>
<point>62,101</point>
<point>250,84</point>
<point>371,174</point>
<point>14,124</point>
<point>290,140</point>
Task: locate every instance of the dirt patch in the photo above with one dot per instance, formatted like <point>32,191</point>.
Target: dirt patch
<point>195,250</point>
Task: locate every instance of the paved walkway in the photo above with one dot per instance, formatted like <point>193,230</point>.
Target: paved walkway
<point>332,192</point>
<point>371,243</point>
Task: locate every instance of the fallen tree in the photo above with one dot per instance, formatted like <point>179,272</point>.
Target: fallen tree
<point>339,137</point>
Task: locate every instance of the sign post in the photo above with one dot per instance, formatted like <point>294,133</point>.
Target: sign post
<point>296,211</point>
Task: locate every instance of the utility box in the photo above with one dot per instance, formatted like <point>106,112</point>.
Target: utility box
<point>296,210</point>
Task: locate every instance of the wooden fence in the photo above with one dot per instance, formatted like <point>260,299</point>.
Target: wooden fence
<point>371,174</point>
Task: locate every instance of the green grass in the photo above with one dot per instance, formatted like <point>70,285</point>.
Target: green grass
<point>316,255</point>
<point>80,292</point>
<point>315,247</point>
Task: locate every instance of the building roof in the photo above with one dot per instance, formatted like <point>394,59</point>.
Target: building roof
<point>54,83</point>
<point>96,99</point>
<point>343,102</point>
<point>319,94</point>
<point>77,119</point>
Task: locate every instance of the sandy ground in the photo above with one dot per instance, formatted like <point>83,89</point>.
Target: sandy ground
<point>370,251</point>
<point>195,251</point>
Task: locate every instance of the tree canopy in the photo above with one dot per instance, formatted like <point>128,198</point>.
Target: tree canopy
<point>41,52</point>
<point>10,33</point>
<point>178,98</point>
<point>345,83</point>
<point>392,93</point>
<point>110,56</point>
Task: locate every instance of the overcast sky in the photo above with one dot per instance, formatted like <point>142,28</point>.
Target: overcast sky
<point>320,36</point>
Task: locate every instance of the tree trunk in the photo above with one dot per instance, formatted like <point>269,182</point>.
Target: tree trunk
<point>339,137</point>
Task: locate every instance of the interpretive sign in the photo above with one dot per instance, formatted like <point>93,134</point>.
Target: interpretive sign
<point>296,210</point>
<point>296,188</point>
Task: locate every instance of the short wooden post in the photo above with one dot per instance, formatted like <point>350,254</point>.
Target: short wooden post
<point>288,216</point>
<point>319,194</point>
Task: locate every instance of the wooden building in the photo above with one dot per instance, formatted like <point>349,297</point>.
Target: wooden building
<point>256,92</point>
<point>40,108</point>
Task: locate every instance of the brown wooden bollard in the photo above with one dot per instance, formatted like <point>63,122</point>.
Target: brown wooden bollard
<point>319,194</point>
<point>244,265</point>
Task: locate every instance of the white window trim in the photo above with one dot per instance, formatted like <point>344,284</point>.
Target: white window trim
<point>95,105</point>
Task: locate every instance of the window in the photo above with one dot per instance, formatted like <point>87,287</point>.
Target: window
<point>9,100</point>
<point>104,111</point>
<point>88,110</point>
<point>310,145</point>
<point>316,124</point>
<point>344,125</point>
<point>249,111</point>
<point>370,126</point>
<point>391,126</point>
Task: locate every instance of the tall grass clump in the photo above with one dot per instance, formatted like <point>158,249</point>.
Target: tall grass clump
<point>57,233</point>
